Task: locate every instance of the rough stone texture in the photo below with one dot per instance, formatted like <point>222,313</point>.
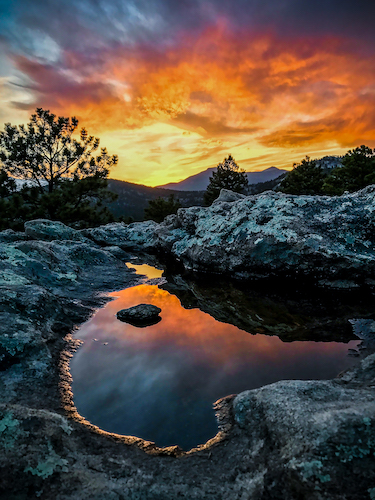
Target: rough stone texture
<point>226,195</point>
<point>322,432</point>
<point>141,315</point>
<point>290,440</point>
<point>137,236</point>
<point>47,230</point>
<point>267,234</point>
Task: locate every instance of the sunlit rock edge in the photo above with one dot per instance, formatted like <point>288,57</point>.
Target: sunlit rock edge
<point>292,439</point>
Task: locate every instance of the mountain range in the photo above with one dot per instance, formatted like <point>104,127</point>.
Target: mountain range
<point>133,198</point>
<point>199,182</point>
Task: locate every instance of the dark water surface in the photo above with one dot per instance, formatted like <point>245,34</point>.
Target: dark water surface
<point>160,382</point>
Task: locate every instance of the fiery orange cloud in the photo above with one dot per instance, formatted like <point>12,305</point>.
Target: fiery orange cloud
<point>172,112</point>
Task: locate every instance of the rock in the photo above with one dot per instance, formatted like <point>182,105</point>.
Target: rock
<point>138,235</point>
<point>9,235</point>
<point>140,315</point>
<point>226,195</point>
<point>290,440</point>
<point>49,263</point>
<point>323,430</point>
<point>47,230</point>
<point>327,238</point>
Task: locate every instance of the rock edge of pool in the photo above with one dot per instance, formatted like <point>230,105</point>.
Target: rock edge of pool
<point>291,439</point>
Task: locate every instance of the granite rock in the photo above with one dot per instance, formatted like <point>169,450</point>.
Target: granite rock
<point>47,230</point>
<point>328,238</point>
<point>289,440</point>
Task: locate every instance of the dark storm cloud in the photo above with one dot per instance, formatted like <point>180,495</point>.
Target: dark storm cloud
<point>321,17</point>
<point>92,24</point>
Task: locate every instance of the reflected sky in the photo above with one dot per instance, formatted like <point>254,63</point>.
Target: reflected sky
<point>160,382</point>
<point>149,271</point>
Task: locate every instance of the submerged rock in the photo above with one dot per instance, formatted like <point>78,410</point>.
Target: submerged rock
<point>140,315</point>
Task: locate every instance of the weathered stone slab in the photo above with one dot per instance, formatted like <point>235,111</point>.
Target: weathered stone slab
<point>290,440</point>
<point>47,230</point>
<point>329,238</point>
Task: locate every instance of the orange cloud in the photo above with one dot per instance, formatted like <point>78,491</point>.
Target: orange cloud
<point>273,95</point>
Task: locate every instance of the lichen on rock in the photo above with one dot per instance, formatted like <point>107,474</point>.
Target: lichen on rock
<point>48,464</point>
<point>266,234</point>
<point>9,430</point>
<point>291,439</point>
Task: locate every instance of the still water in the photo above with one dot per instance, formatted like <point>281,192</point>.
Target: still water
<point>160,382</point>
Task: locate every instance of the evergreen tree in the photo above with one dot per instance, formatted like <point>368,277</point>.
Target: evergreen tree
<point>306,178</point>
<point>357,172</point>
<point>7,205</point>
<point>68,182</point>
<point>227,176</point>
<point>7,185</point>
<point>159,208</point>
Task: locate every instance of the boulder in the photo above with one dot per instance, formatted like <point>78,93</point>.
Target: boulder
<point>323,431</point>
<point>48,230</point>
<point>138,235</point>
<point>289,440</point>
<point>274,232</point>
<point>9,235</point>
<point>227,195</point>
<point>330,239</point>
<point>140,315</point>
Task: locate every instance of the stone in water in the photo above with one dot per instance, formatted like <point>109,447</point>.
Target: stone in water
<point>140,315</point>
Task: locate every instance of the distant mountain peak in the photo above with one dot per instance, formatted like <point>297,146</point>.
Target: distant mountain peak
<point>199,182</point>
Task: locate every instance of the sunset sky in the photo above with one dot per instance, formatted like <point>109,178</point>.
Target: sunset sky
<point>173,86</point>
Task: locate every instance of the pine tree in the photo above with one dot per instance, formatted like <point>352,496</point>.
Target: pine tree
<point>306,178</point>
<point>227,176</point>
<point>68,182</point>
<point>357,172</point>
<point>159,208</point>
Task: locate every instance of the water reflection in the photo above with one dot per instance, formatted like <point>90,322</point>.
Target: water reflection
<point>159,382</point>
<point>292,310</point>
<point>145,269</point>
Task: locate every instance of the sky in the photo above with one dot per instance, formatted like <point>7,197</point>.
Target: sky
<point>174,86</point>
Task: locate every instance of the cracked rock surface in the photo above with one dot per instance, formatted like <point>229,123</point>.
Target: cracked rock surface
<point>288,440</point>
<point>329,238</point>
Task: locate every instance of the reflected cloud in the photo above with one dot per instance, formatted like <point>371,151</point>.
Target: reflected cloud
<point>160,382</point>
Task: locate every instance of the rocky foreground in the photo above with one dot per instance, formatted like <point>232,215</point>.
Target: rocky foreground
<point>328,238</point>
<point>288,440</point>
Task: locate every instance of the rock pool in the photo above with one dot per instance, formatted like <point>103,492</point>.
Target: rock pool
<point>160,382</point>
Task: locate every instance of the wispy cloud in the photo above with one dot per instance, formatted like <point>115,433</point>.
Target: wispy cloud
<point>271,76</point>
